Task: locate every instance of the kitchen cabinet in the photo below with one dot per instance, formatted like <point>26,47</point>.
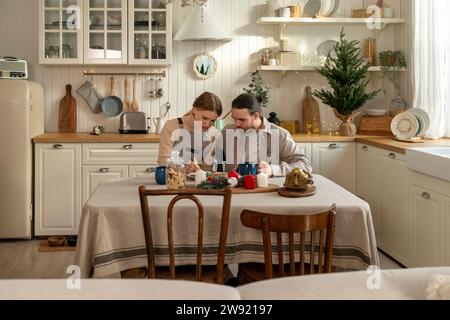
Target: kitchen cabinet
<point>93,176</point>
<point>306,148</point>
<point>105,32</point>
<point>141,171</point>
<point>149,32</point>
<point>392,181</point>
<point>60,31</point>
<point>383,181</point>
<point>430,212</point>
<point>57,189</point>
<point>99,32</point>
<point>337,162</point>
<point>365,179</point>
<point>73,172</point>
<point>108,161</point>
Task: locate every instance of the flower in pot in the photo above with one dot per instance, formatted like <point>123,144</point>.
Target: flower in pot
<point>346,73</point>
<point>259,89</point>
<point>391,63</point>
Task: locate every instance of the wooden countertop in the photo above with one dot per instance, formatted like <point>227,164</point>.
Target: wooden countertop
<point>400,147</point>
<point>380,142</point>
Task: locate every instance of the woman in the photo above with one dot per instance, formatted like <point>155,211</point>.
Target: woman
<point>206,109</point>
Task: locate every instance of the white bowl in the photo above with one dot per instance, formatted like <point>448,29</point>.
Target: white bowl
<point>376,112</point>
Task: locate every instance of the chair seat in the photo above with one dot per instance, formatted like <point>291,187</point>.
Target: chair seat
<point>252,272</point>
<point>182,273</point>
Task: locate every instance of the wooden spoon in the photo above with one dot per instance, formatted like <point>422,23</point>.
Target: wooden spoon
<point>134,105</point>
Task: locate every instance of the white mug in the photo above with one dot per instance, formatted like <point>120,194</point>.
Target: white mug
<point>284,12</point>
<point>273,62</point>
<point>389,12</point>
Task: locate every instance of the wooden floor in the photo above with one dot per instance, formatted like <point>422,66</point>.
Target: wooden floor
<point>21,260</point>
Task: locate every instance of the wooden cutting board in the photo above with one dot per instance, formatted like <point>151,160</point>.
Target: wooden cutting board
<point>310,113</point>
<point>376,126</point>
<point>68,113</point>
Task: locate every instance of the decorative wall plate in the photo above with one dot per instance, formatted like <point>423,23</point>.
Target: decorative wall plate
<point>205,66</point>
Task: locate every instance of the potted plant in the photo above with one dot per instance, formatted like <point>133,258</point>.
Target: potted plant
<point>259,89</point>
<point>391,62</point>
<point>346,74</point>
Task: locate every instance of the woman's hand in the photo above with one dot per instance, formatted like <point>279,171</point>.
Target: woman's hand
<point>264,167</point>
<point>192,167</point>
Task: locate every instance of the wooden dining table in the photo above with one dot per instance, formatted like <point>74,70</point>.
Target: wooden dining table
<point>111,233</point>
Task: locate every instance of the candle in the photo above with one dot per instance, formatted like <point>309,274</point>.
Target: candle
<point>200,176</point>
<point>249,182</point>
<point>262,180</point>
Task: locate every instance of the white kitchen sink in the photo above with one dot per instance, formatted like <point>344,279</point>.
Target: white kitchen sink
<point>434,162</point>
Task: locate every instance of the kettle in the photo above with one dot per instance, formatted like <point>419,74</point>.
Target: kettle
<point>159,123</point>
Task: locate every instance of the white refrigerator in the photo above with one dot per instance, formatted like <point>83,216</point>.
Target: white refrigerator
<point>21,119</point>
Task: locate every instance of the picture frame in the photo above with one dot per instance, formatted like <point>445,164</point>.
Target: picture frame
<point>205,66</point>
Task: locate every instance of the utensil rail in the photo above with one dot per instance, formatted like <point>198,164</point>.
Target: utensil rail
<point>159,74</point>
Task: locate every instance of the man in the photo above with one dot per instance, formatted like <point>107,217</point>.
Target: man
<point>257,140</point>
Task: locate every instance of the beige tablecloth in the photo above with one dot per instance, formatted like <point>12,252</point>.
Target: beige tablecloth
<point>111,237</point>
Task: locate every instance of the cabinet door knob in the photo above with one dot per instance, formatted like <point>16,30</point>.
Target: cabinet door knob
<point>426,196</point>
<point>105,170</point>
<point>333,146</point>
<point>57,146</point>
<point>365,148</point>
<point>127,147</point>
<point>392,155</point>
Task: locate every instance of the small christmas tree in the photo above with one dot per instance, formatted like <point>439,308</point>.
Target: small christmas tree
<point>346,73</point>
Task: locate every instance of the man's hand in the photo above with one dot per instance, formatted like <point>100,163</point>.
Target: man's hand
<point>264,167</point>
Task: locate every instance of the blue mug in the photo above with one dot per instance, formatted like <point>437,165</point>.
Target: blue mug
<point>160,175</point>
<point>247,169</point>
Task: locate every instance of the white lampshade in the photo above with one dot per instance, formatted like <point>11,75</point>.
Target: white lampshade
<point>201,27</point>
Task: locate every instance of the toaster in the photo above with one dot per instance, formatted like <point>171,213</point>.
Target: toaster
<point>133,122</point>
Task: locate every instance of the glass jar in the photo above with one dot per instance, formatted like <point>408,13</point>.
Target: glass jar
<point>397,106</point>
<point>370,51</point>
<point>53,52</point>
<point>176,172</point>
<point>66,51</point>
<point>265,56</point>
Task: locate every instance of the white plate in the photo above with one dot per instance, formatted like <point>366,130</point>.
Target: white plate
<point>423,117</point>
<point>312,8</point>
<point>326,47</point>
<point>329,8</point>
<point>336,7</point>
<point>405,126</point>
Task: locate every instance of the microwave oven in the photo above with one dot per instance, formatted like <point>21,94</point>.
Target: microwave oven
<point>13,68</point>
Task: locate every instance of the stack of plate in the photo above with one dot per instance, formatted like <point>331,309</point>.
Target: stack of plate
<point>328,7</point>
<point>410,124</point>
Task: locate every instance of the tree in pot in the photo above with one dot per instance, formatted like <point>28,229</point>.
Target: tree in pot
<point>346,73</point>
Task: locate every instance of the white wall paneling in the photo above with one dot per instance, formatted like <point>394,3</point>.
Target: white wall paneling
<point>236,60</point>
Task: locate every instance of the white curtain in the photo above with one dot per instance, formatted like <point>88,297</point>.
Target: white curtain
<point>431,63</point>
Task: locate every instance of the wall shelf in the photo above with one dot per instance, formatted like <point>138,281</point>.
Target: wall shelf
<point>282,21</point>
<point>283,70</point>
<point>307,68</point>
<point>374,24</point>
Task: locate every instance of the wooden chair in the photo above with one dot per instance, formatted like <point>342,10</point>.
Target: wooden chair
<point>215,274</point>
<point>291,224</point>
